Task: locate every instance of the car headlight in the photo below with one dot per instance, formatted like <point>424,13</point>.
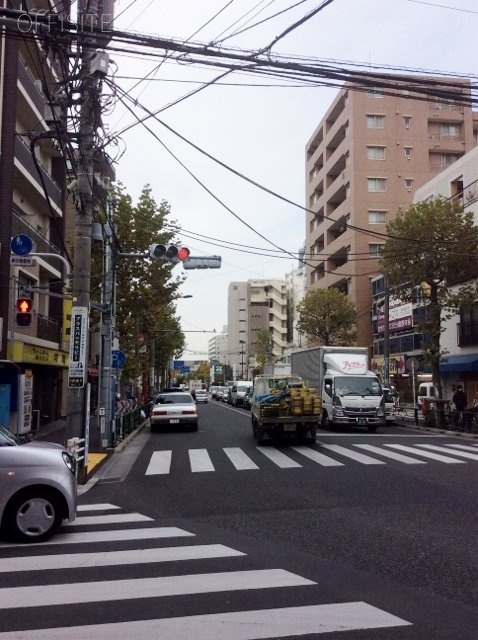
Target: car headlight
<point>70,461</point>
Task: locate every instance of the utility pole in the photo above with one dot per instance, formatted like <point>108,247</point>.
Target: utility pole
<point>386,335</point>
<point>90,113</point>
<point>106,413</point>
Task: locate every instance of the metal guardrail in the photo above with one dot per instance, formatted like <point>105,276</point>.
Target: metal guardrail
<point>126,423</point>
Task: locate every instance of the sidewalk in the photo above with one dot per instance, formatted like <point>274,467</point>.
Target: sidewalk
<point>56,432</point>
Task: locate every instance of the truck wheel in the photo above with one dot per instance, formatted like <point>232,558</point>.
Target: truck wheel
<point>259,435</point>
<point>326,424</point>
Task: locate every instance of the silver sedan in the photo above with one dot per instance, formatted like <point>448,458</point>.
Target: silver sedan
<point>37,488</point>
<point>174,409</point>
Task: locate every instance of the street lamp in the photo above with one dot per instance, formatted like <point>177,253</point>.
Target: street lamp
<point>242,343</point>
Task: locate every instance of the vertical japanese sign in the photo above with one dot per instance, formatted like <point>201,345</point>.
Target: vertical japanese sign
<point>78,344</point>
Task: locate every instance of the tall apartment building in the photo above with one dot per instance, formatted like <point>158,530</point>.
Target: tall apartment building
<point>364,161</point>
<point>296,290</point>
<point>32,204</point>
<point>252,306</point>
<point>217,347</point>
<point>237,324</point>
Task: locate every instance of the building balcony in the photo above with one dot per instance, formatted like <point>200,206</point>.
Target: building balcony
<point>48,328</point>
<point>32,87</point>
<point>24,156</point>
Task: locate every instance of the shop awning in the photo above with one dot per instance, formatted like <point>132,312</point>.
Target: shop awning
<point>459,363</point>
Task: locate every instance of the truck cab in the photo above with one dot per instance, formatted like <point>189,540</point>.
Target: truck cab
<point>351,395</point>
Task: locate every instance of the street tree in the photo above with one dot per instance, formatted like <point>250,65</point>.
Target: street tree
<point>328,317</point>
<point>148,327</point>
<point>264,347</point>
<point>431,255</point>
<point>202,372</point>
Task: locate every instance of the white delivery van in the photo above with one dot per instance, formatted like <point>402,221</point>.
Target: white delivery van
<point>425,390</point>
<point>239,390</point>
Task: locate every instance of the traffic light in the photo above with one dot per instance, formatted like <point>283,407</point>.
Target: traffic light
<point>24,312</point>
<point>171,252</point>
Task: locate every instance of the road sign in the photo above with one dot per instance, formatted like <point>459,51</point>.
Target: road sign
<point>202,262</point>
<point>21,245</point>
<point>22,261</point>
<point>178,364</point>
<point>412,364</point>
<point>118,359</point>
<point>79,331</point>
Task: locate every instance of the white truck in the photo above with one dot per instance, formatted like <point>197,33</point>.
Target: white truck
<point>351,393</point>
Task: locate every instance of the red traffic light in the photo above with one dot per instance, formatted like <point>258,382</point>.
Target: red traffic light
<point>24,305</point>
<point>183,253</point>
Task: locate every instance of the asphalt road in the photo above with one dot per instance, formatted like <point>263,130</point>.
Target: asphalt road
<point>361,537</point>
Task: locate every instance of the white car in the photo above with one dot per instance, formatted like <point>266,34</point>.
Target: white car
<point>201,395</point>
<point>38,488</point>
<point>174,410</point>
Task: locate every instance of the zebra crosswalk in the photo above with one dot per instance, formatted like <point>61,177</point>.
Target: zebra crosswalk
<point>41,590</point>
<point>324,455</point>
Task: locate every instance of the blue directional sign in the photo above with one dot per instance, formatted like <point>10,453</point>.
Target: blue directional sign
<point>118,359</point>
<point>21,245</point>
<point>178,364</point>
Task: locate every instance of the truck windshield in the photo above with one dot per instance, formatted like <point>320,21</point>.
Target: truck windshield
<point>357,386</point>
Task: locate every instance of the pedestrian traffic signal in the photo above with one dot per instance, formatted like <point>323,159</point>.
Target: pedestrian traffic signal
<point>170,252</point>
<point>24,312</point>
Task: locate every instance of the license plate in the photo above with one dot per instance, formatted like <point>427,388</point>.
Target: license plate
<point>174,421</point>
<point>289,427</point>
<point>362,421</point>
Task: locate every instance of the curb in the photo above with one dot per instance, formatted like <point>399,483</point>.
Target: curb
<point>95,476</point>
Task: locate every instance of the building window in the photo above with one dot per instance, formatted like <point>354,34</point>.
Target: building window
<point>376,153</point>
<point>375,185</point>
<point>377,217</point>
<point>375,92</point>
<point>408,152</point>
<point>468,327</point>
<point>375,122</point>
<point>449,130</point>
<point>408,184</point>
<point>449,158</point>
<point>407,121</point>
<point>374,250</point>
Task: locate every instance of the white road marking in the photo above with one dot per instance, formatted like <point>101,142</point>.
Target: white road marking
<point>279,458</point>
<point>99,506</point>
<point>320,458</point>
<point>112,536</point>
<point>426,454</point>
<point>354,455</point>
<point>113,590</point>
<point>237,625</point>
<point>461,454</point>
<point>390,454</point>
<point>465,447</point>
<point>112,558</point>
<point>160,463</point>
<point>239,459</point>
<point>200,460</point>
<point>111,518</point>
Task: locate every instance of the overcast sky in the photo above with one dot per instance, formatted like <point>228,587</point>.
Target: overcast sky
<point>260,131</point>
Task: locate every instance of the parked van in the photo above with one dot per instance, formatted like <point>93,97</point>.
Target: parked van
<point>425,390</point>
<point>238,392</point>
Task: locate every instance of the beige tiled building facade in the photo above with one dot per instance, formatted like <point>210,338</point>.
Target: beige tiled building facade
<point>364,161</point>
